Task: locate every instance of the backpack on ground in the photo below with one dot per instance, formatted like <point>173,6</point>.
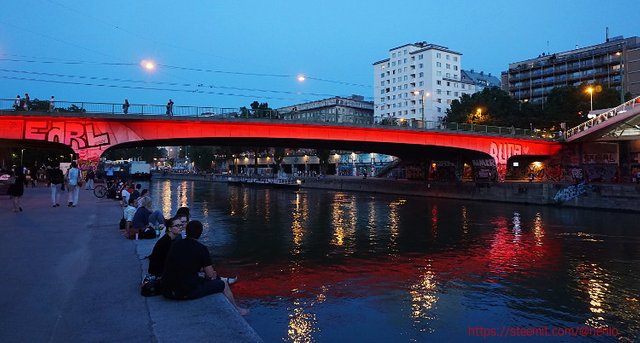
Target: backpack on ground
<point>151,286</point>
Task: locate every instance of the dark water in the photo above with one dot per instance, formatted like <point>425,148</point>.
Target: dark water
<point>326,266</point>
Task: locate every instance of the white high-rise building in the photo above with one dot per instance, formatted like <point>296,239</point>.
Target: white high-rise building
<point>418,82</point>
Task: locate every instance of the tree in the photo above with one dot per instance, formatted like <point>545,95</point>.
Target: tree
<point>491,106</point>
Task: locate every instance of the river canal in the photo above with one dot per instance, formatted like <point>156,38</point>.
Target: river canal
<point>328,266</point>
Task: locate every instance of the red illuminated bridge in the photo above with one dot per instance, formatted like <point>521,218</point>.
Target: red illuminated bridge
<point>91,134</point>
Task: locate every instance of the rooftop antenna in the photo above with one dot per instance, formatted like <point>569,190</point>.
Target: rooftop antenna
<point>606,35</point>
<point>548,47</point>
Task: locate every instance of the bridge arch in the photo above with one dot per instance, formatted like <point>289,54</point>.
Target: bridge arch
<point>90,137</point>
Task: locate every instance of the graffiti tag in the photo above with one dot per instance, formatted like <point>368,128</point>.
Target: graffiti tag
<point>78,136</point>
<point>501,152</point>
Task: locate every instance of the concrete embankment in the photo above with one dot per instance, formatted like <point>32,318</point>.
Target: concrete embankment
<point>618,197</point>
<point>69,276</point>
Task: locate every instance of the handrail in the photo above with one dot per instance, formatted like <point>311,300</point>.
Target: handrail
<point>200,112</point>
<point>602,117</point>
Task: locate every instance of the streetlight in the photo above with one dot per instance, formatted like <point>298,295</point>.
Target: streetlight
<point>21,156</point>
<point>590,91</point>
<point>424,100</point>
<point>149,65</point>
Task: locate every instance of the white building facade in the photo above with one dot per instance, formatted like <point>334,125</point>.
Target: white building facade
<point>417,83</point>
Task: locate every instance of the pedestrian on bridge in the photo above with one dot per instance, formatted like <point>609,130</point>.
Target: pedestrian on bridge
<point>125,106</point>
<point>27,102</point>
<point>17,103</point>
<point>170,108</point>
<point>52,104</point>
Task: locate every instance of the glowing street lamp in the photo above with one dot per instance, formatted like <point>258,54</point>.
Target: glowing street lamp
<point>148,65</point>
<point>21,156</point>
<point>424,100</point>
<point>301,78</point>
<point>590,91</point>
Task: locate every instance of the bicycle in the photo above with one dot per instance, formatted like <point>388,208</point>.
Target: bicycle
<point>100,191</point>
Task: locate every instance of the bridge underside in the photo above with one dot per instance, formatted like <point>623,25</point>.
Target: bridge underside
<point>402,151</point>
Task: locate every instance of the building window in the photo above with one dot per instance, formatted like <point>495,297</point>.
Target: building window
<point>420,65</point>
<point>448,66</point>
<point>448,56</point>
<point>420,56</point>
<point>448,84</point>
<point>438,91</point>
<point>393,55</point>
<point>439,100</point>
<point>455,58</point>
<point>439,109</point>
<point>438,73</point>
<point>448,75</point>
<point>455,67</point>
<point>438,64</point>
<point>439,82</point>
<point>421,74</point>
<point>382,75</point>
<point>455,94</point>
<point>448,92</point>
<point>393,63</point>
<point>438,55</point>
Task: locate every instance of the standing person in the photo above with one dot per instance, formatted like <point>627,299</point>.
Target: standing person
<point>73,182</point>
<point>90,178</point>
<point>125,106</point>
<point>170,108</point>
<point>185,259</point>
<point>52,104</point>
<point>56,178</point>
<point>17,103</point>
<point>27,102</point>
<point>16,189</point>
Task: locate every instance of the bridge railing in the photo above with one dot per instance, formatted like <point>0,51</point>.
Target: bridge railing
<point>320,117</point>
<point>112,108</point>
<point>603,117</point>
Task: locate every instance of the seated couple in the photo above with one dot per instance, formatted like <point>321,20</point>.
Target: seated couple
<point>184,260</point>
<point>142,220</point>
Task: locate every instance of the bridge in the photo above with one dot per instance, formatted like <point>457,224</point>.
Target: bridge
<point>92,128</point>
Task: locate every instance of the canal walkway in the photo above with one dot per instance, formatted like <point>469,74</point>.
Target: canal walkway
<point>69,276</point>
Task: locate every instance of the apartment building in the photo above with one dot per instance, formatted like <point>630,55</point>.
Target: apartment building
<point>614,64</point>
<point>479,79</point>
<point>417,82</point>
<point>353,110</point>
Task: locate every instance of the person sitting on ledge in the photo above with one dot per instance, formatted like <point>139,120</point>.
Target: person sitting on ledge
<point>161,249</point>
<point>185,259</point>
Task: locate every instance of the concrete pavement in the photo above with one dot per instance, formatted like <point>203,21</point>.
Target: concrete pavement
<point>67,275</point>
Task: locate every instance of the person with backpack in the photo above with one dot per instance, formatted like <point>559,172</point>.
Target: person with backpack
<point>56,178</point>
<point>74,180</point>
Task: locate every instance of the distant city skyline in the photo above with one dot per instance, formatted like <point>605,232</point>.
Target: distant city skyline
<point>228,54</point>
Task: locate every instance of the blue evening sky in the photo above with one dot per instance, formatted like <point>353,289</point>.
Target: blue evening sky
<point>229,53</point>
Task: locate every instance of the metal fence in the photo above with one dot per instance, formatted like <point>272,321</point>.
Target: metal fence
<point>197,112</point>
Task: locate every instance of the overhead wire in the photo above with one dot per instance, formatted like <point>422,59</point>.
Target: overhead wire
<point>99,78</point>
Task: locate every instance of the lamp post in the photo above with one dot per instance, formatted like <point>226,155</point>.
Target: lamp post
<point>21,157</point>
<point>590,91</point>
<point>423,98</point>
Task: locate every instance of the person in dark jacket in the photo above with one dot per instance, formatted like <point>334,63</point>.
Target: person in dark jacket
<point>16,189</point>
<point>56,180</point>
<point>186,258</point>
<point>161,249</point>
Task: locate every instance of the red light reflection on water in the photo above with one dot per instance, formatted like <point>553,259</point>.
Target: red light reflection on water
<point>509,253</point>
